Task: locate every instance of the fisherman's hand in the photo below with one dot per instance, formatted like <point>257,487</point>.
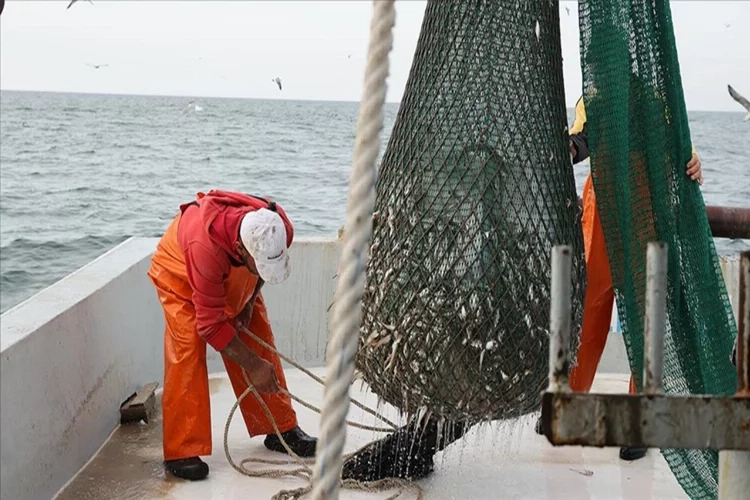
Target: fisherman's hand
<point>572,149</point>
<point>261,372</point>
<point>263,376</point>
<point>694,169</point>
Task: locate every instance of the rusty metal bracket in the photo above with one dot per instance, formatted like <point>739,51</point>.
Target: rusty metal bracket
<point>652,419</point>
<point>648,421</point>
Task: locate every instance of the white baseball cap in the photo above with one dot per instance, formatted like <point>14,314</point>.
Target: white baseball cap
<point>263,234</point>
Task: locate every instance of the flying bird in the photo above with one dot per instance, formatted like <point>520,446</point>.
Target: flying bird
<point>74,1</point>
<point>740,99</point>
<point>278,81</point>
<point>192,107</point>
<point>97,66</point>
<point>567,9</point>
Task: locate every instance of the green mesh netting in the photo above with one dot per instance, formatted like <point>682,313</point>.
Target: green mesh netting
<point>640,143</point>
<point>474,189</point>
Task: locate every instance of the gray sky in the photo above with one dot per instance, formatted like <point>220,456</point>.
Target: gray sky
<point>318,49</point>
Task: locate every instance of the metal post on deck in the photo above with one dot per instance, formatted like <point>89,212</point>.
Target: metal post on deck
<point>734,465</point>
<point>656,314</point>
<point>560,319</point>
<point>743,340</point>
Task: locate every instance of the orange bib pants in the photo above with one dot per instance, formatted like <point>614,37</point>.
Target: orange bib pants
<point>185,400</point>
<point>599,298</point>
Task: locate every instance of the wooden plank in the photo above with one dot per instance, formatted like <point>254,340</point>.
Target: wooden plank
<point>146,392</point>
<point>139,406</point>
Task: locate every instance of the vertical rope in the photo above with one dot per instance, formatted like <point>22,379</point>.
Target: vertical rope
<point>347,308</point>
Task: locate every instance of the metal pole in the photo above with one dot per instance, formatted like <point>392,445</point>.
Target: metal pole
<point>728,222</point>
<point>656,313</point>
<point>725,222</point>
<point>734,466</point>
<point>560,319</point>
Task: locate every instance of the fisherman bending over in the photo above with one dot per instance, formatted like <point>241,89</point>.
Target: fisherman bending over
<point>208,271</point>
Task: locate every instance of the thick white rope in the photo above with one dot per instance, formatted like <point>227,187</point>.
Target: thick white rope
<point>347,309</point>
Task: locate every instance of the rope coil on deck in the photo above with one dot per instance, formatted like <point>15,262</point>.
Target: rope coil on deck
<point>303,470</point>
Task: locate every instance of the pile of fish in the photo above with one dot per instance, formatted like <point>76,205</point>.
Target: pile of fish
<point>455,316</point>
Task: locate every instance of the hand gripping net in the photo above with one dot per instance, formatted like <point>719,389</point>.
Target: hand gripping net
<point>474,189</point>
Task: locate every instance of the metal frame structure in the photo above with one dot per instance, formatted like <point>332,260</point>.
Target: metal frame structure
<point>651,419</point>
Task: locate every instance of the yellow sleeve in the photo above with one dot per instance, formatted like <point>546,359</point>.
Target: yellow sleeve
<point>580,119</point>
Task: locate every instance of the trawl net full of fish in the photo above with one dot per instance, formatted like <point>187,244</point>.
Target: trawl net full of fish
<point>474,189</point>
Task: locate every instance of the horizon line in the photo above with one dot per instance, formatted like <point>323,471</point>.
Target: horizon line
<point>121,94</point>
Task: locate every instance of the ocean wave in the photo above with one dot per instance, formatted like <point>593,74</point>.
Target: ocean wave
<point>29,265</point>
<point>31,250</point>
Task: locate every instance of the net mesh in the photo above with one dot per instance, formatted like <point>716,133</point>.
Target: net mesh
<point>474,189</point>
<point>640,145</point>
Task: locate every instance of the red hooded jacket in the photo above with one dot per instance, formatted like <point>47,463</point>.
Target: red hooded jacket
<point>208,234</point>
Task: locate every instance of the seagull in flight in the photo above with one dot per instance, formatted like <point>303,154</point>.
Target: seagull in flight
<point>740,99</point>
<point>278,81</point>
<point>74,1</point>
<point>97,66</point>
<point>567,9</point>
<point>192,107</point>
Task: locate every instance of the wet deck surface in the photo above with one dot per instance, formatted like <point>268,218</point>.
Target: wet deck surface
<point>500,461</point>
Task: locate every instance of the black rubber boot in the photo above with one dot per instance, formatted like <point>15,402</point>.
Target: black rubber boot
<point>631,454</point>
<point>192,468</point>
<point>297,440</point>
<point>406,454</point>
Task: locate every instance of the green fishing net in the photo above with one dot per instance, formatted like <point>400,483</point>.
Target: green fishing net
<point>474,189</point>
<point>640,144</point>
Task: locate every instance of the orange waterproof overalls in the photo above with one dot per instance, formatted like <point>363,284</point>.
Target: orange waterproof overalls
<point>599,299</point>
<point>186,400</point>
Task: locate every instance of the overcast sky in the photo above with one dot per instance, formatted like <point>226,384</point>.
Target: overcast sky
<point>234,49</point>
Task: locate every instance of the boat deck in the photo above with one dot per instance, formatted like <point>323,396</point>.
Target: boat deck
<point>504,460</point>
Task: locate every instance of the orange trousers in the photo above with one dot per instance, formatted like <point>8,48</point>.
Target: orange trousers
<point>599,299</point>
<point>186,402</point>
